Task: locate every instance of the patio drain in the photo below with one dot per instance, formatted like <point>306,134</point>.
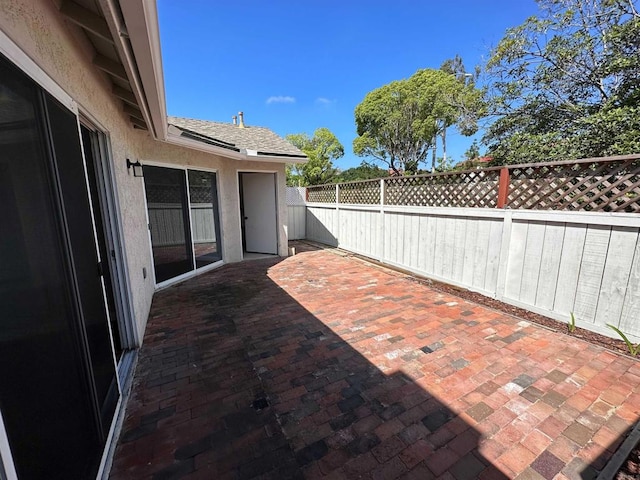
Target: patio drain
<point>260,404</point>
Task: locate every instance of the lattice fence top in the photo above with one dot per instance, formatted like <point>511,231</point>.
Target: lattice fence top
<point>360,193</point>
<point>474,188</point>
<point>612,186</point>
<point>322,194</point>
<point>296,196</point>
<point>609,184</point>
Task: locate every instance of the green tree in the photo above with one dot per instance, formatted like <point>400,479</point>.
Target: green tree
<point>364,171</point>
<point>565,83</point>
<point>398,122</point>
<point>473,151</point>
<point>294,174</point>
<point>322,149</point>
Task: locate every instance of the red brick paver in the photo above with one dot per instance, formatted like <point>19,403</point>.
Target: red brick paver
<point>366,374</point>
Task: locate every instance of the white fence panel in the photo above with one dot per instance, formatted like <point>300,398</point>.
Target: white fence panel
<point>167,224</point>
<point>296,222</point>
<point>321,223</point>
<point>629,318</point>
<point>358,231</point>
<point>552,263</point>
<point>296,213</point>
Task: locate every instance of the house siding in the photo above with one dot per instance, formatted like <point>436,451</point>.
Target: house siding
<point>62,51</point>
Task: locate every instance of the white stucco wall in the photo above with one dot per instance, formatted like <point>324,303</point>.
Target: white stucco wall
<point>62,51</point>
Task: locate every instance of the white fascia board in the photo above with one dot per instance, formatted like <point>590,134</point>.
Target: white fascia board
<point>141,22</point>
<point>254,156</point>
<point>176,139</point>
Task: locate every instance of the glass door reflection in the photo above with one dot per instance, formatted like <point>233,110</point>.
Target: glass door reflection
<point>165,189</point>
<point>205,228</point>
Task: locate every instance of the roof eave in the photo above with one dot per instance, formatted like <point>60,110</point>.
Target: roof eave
<point>139,41</point>
<point>274,157</point>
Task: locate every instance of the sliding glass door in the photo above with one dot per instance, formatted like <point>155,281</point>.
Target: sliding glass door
<point>58,386</point>
<point>183,215</point>
<point>169,219</point>
<point>203,197</point>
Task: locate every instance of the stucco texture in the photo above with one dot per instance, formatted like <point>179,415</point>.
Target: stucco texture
<point>61,50</point>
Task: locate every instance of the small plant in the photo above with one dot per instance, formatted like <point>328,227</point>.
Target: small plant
<point>633,349</point>
<point>572,323</point>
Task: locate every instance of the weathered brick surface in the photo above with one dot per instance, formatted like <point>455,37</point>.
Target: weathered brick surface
<point>366,373</point>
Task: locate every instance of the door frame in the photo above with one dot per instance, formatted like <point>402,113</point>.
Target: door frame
<point>195,271</point>
<point>239,171</point>
<point>112,216</point>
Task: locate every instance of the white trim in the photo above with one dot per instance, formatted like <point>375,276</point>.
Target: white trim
<point>148,227</point>
<point>174,139</point>
<point>21,60</point>
<point>255,156</point>
<point>6,459</point>
<point>110,443</point>
<point>188,275</point>
<point>115,242</point>
<point>155,163</point>
<point>130,357</point>
<point>141,19</point>
<point>133,336</point>
<point>254,170</point>
<point>94,227</point>
<point>138,45</point>
<point>193,243</point>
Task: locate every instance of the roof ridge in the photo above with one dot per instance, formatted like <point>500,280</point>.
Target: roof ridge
<point>215,122</point>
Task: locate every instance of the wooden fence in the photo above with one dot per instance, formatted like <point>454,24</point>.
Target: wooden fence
<point>167,223</point>
<point>583,259</point>
<point>609,184</point>
<point>296,213</point>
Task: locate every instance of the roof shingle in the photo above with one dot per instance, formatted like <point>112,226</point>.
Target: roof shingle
<point>261,139</point>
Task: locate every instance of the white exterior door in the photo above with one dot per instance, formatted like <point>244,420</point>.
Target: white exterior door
<point>260,218</point>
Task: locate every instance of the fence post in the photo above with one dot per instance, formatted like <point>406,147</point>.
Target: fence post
<point>503,262</point>
<point>380,236</point>
<point>337,216</point>
<point>503,187</point>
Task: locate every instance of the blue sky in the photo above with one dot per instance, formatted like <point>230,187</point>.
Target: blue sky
<point>295,66</point>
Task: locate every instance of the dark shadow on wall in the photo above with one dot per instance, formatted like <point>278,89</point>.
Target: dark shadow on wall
<point>237,380</point>
<point>315,229</point>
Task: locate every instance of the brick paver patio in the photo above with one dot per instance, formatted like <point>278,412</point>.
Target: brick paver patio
<point>323,366</point>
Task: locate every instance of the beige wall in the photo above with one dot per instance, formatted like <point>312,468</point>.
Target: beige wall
<point>61,50</point>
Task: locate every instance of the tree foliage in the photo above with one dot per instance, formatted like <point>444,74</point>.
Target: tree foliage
<point>473,151</point>
<point>398,122</point>
<point>364,171</point>
<point>322,149</point>
<point>565,83</point>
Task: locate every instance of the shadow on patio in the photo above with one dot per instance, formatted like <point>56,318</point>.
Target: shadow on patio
<point>324,366</point>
